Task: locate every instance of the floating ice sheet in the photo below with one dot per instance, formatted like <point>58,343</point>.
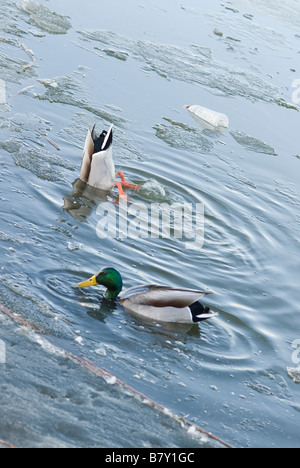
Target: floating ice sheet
<point>195,64</point>
<point>45,19</point>
<point>253,144</point>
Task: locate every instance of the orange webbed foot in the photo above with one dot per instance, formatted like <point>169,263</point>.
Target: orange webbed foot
<point>122,194</point>
<point>128,184</point>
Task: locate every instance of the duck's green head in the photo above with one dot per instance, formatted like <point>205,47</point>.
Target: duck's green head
<point>108,277</point>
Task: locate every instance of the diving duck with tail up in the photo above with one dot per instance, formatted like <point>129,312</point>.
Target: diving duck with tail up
<point>97,168</point>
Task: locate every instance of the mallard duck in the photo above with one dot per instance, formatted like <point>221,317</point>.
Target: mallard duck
<point>158,303</point>
<point>97,168</point>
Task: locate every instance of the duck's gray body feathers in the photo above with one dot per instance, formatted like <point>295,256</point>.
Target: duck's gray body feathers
<point>165,304</point>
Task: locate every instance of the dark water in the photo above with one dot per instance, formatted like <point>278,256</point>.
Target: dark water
<point>232,375</point>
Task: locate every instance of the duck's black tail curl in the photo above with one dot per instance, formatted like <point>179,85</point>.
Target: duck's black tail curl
<point>200,312</point>
<point>98,141</point>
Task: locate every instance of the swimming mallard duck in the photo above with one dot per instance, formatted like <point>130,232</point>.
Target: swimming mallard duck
<point>158,303</point>
<point>97,168</point>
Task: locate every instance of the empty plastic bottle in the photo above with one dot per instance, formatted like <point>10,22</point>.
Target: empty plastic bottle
<point>208,118</point>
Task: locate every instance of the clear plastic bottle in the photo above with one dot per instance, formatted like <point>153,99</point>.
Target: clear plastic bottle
<point>208,118</point>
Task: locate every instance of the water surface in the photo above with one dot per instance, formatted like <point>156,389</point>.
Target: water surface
<point>230,375</point>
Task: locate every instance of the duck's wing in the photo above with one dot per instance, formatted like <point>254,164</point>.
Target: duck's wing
<point>162,296</point>
<point>164,304</point>
<point>87,157</point>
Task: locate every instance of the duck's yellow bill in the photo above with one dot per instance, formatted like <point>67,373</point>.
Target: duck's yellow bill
<point>90,282</point>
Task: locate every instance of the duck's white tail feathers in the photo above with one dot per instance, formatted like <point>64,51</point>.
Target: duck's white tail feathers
<point>107,137</point>
<point>206,316</point>
<point>97,168</point>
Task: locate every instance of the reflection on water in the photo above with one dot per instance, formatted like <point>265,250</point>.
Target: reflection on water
<point>233,375</point>
<point>81,202</point>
